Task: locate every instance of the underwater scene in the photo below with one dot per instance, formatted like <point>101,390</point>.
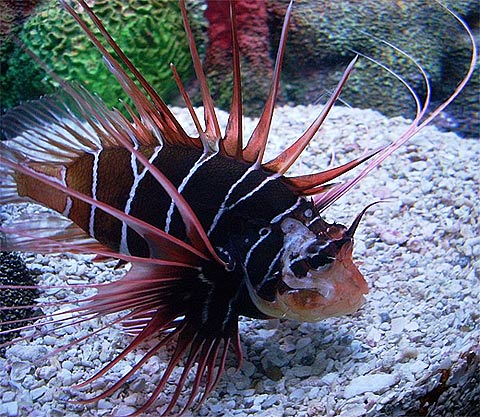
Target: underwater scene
<point>236,207</point>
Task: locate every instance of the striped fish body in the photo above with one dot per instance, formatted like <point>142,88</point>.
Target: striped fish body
<point>210,230</point>
<point>241,208</point>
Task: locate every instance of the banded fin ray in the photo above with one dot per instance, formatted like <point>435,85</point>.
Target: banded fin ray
<point>31,125</point>
<point>49,234</point>
<point>145,290</point>
<point>106,128</point>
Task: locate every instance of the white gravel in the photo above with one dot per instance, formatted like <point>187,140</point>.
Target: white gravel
<point>419,253</point>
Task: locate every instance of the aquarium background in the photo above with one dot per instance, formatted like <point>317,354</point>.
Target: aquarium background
<point>323,37</point>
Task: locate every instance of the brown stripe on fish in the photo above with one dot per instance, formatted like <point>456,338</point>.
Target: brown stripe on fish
<point>79,176</point>
<point>113,178</point>
<point>38,191</point>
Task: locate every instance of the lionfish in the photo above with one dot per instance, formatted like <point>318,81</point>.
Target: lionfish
<point>211,231</point>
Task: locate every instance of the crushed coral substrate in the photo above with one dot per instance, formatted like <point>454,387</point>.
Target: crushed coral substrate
<point>419,252</point>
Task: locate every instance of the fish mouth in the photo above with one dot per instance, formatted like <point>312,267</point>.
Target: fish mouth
<point>333,290</point>
<point>309,305</point>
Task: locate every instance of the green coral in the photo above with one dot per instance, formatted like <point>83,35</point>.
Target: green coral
<point>150,32</point>
<point>20,78</point>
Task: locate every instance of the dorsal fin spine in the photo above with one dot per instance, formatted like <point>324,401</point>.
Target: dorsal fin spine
<point>212,128</point>
<point>169,122</point>
<point>186,99</point>
<point>257,143</point>
<point>233,142</point>
<point>285,160</point>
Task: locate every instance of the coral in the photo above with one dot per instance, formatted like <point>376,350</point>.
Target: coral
<point>463,115</point>
<point>16,66</point>
<point>253,38</point>
<point>12,13</point>
<point>150,32</point>
<point>14,272</point>
<point>325,35</point>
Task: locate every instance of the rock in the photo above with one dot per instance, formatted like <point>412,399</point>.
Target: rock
<point>377,383</point>
<point>20,370</point>
<point>36,393</point>
<point>147,32</point>
<point>13,271</point>
<point>325,34</point>
<point>297,395</point>
<point>9,409</point>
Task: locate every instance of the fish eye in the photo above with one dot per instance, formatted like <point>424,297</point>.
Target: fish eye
<point>319,260</point>
<point>315,248</point>
<point>300,268</point>
<point>308,213</point>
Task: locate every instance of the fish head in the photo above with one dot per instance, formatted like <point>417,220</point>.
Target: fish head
<point>316,277</point>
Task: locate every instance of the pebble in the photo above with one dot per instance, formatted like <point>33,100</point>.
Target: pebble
<point>68,365</point>
<point>248,368</point>
<point>9,409</point>
<point>376,383</point>
<point>302,371</point>
<point>398,324</point>
<point>408,353</point>
<point>28,352</point>
<point>417,367</point>
<point>355,411</point>
<point>36,393</point>
<point>416,318</point>
<point>104,404</point>
<point>20,370</point>
<point>138,385</point>
<point>270,400</point>
<point>373,337</point>
<point>385,317</point>
<point>8,396</point>
<point>297,395</point>
<point>124,410</point>
<point>392,237</point>
<point>46,372</point>
<point>65,376</point>
<point>329,379</point>
<point>303,342</point>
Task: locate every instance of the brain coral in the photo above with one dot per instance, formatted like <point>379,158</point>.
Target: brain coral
<point>150,32</point>
<point>325,34</point>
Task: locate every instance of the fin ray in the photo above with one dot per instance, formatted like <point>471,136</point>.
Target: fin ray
<point>285,160</point>
<point>162,245</point>
<point>256,145</point>
<point>212,129</point>
<point>233,141</point>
